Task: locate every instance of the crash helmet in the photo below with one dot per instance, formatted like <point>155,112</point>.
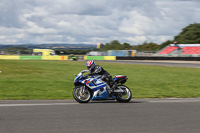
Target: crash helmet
<point>90,65</point>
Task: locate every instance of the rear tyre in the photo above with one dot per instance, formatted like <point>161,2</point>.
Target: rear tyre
<point>81,97</point>
<point>125,96</point>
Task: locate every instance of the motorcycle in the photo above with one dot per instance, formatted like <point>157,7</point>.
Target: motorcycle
<point>94,88</point>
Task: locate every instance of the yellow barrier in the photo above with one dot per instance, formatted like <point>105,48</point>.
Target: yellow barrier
<point>99,57</point>
<point>54,57</point>
<point>64,58</point>
<point>109,57</point>
<point>16,57</point>
<point>11,57</point>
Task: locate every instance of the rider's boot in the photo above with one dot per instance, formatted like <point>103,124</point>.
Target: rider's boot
<point>109,90</point>
<point>114,86</point>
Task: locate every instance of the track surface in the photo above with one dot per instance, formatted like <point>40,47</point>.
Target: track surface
<point>193,64</point>
<point>68,116</point>
<point>138,116</point>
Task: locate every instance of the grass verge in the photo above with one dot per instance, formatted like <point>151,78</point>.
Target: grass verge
<point>54,79</point>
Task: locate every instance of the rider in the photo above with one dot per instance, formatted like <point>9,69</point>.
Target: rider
<point>97,70</point>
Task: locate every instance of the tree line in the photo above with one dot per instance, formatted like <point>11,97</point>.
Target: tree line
<point>115,45</point>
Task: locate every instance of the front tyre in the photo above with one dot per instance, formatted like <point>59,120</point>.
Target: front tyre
<point>125,96</point>
<point>80,95</point>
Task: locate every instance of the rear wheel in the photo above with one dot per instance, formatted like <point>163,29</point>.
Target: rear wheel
<point>124,96</point>
<point>80,95</point>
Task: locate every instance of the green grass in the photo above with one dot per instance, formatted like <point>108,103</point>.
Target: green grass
<point>54,79</point>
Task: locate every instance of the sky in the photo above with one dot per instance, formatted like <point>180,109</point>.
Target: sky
<point>93,21</point>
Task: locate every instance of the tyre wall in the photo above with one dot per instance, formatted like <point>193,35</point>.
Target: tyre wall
<point>159,58</point>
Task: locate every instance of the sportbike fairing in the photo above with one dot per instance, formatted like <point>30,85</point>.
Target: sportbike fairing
<point>98,86</point>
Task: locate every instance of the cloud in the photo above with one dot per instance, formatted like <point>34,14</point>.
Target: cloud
<point>92,21</point>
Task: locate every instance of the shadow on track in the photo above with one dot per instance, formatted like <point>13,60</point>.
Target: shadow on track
<point>114,101</point>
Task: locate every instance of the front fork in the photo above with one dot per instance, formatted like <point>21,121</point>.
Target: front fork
<point>82,91</point>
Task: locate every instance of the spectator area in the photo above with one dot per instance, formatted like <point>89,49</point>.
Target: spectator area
<point>168,50</point>
<point>184,49</point>
<point>191,50</point>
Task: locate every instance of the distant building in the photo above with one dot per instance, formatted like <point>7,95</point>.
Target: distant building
<point>1,52</point>
<point>121,52</point>
<point>43,52</point>
<point>95,53</point>
<point>113,53</point>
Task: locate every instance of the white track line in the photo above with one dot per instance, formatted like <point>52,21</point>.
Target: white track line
<point>175,101</point>
<point>35,104</point>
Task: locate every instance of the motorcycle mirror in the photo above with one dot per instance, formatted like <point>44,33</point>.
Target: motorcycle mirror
<point>75,74</point>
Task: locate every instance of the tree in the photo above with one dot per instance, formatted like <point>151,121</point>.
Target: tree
<point>164,44</point>
<point>151,47</point>
<point>126,46</point>
<point>115,45</point>
<point>189,35</point>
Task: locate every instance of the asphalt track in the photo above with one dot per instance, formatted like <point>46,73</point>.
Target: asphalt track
<point>138,116</point>
<point>68,116</point>
<point>190,64</point>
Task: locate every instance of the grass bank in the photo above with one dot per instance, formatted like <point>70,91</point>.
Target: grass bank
<point>54,79</point>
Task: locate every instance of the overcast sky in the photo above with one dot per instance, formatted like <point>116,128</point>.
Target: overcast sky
<point>92,21</point>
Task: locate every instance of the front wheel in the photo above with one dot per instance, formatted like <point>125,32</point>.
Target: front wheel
<point>82,94</point>
<point>124,96</point>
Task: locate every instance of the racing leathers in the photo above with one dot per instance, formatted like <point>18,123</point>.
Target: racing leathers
<point>105,76</point>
